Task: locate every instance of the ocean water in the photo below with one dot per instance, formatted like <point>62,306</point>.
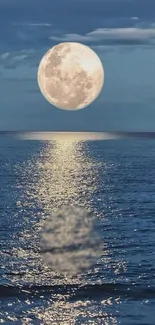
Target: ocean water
<point>115,180</point>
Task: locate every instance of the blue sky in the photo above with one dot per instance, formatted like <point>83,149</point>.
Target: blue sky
<point>122,32</point>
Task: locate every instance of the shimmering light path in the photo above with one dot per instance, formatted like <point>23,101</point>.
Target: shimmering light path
<point>114,180</point>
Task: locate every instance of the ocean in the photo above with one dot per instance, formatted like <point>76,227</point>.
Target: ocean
<point>114,180</point>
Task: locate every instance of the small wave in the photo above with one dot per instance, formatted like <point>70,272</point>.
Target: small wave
<point>134,291</point>
<point>31,290</point>
<point>91,291</point>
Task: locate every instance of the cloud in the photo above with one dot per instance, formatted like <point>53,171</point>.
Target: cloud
<point>13,59</point>
<point>20,57</point>
<point>30,24</point>
<point>101,39</point>
<point>4,56</point>
<point>26,58</point>
<point>112,36</point>
<point>134,18</point>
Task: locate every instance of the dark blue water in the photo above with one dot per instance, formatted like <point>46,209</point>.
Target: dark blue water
<point>115,180</point>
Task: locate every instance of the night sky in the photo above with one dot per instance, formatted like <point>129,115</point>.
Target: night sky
<point>122,32</point>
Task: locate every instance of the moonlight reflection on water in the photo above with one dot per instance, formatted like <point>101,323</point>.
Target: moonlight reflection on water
<point>42,176</point>
<point>70,241</point>
<point>70,244</point>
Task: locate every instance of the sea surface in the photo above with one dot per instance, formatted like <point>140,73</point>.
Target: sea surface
<point>115,180</point>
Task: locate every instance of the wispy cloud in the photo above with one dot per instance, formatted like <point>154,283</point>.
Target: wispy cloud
<point>4,56</point>
<point>113,35</point>
<point>20,57</point>
<point>134,18</point>
<point>15,58</point>
<point>32,24</point>
<point>26,57</point>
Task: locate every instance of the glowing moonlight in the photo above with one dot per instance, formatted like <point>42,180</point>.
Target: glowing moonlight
<point>70,76</point>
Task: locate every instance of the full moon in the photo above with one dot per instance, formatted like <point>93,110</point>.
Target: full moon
<point>70,76</point>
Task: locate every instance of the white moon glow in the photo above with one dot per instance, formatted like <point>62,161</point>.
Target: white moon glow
<point>70,76</point>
